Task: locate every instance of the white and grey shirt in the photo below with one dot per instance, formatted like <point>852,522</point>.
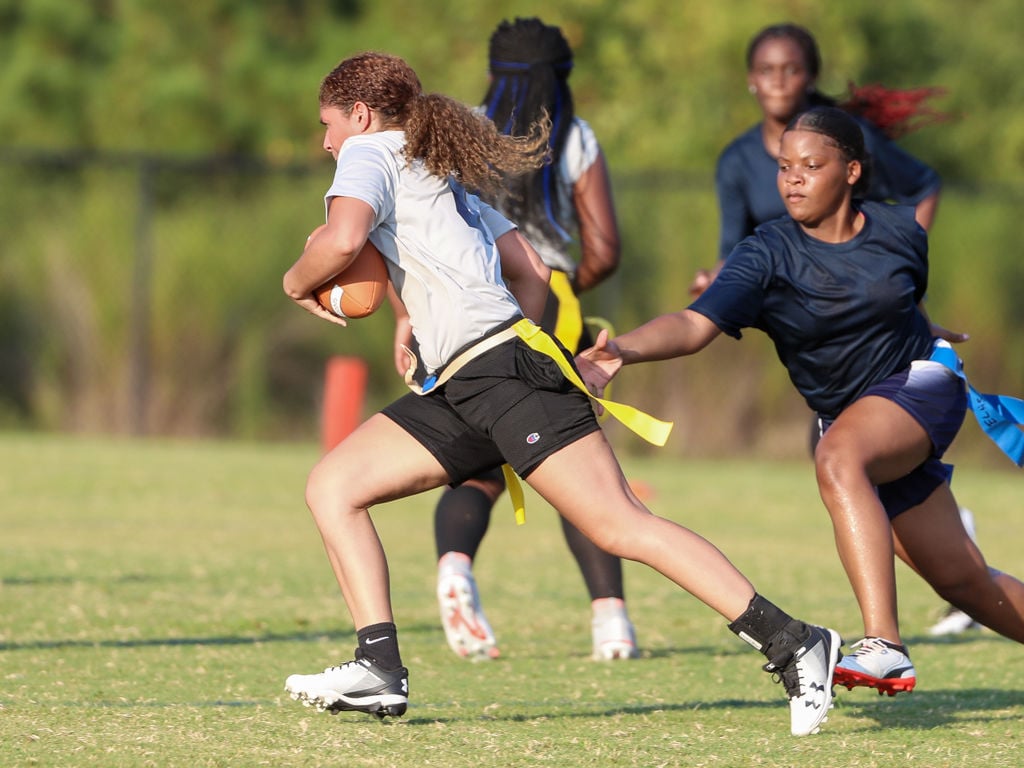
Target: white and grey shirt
<point>438,241</point>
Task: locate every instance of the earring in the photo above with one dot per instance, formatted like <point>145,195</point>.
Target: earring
<point>752,88</point>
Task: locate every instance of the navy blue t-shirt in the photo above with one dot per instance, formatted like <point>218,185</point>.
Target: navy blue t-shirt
<point>842,316</point>
<point>748,195</point>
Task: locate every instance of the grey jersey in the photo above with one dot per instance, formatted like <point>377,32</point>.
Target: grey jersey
<point>438,240</point>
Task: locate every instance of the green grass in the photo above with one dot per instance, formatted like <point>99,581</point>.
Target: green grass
<point>154,595</point>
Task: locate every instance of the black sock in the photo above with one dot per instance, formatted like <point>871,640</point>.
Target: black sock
<point>770,629</point>
<point>379,644</point>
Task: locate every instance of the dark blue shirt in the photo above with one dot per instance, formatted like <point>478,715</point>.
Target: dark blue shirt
<point>842,316</point>
<point>745,180</point>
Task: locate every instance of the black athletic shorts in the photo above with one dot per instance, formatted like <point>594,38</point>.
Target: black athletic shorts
<point>509,405</point>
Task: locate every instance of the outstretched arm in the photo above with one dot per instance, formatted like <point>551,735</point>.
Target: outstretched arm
<point>673,335</point>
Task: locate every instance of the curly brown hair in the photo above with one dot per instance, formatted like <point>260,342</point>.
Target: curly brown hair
<point>448,136</point>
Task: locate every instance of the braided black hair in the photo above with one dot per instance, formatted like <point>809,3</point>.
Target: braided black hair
<point>841,131</point>
<point>530,63</point>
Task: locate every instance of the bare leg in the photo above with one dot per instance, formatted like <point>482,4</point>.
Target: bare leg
<point>341,488</point>
<point>932,540</point>
<point>873,441</point>
<point>600,503</point>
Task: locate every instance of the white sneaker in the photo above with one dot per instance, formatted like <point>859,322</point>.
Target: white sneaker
<point>358,685</point>
<point>953,622</point>
<point>878,664</point>
<point>806,674</point>
<point>465,626</point>
<point>613,633</point>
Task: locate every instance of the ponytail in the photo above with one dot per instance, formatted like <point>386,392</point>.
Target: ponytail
<point>453,140</point>
<point>895,112</point>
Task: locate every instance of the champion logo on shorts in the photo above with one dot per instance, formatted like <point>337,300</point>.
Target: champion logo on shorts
<point>533,437</point>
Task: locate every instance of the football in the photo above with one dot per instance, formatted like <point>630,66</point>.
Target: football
<point>359,290</point>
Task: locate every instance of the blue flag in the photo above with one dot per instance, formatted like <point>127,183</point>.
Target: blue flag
<point>999,416</point>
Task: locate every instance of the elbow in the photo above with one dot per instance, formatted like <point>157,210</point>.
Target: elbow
<point>597,267</point>
<point>291,289</point>
<point>607,261</point>
<point>611,266</point>
<point>544,272</point>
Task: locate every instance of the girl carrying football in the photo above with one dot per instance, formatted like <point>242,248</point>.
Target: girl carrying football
<point>404,162</point>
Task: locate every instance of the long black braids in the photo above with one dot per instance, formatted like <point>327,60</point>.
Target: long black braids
<point>530,64</point>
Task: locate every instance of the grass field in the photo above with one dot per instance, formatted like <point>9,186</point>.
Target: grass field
<point>154,596</point>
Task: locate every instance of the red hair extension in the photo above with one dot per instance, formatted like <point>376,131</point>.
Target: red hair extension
<point>896,112</point>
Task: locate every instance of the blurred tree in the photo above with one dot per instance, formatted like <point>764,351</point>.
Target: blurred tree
<point>220,97</point>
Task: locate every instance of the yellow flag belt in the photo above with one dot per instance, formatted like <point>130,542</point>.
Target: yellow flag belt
<point>646,426</point>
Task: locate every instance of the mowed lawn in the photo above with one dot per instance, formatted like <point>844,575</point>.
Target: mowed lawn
<point>155,594</point>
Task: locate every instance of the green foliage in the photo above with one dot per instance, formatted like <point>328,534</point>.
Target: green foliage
<point>133,238</point>
<point>155,595</point>
<point>662,82</point>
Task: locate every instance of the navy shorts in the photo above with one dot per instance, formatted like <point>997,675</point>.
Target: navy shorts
<point>509,405</point>
<point>937,399</point>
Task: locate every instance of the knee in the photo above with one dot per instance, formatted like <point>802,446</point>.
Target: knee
<point>621,535</point>
<point>326,491</point>
<point>838,468</point>
<point>316,490</point>
<point>607,541</point>
<point>491,485</point>
<point>963,588</point>
<point>830,469</point>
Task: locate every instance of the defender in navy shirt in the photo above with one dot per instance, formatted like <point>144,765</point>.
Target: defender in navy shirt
<point>837,287</point>
<point>843,316</point>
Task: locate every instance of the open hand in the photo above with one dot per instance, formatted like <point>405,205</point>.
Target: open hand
<point>599,364</point>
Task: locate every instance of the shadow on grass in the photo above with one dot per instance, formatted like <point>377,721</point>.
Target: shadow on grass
<point>970,636</point>
<point>213,640</point>
<point>923,710</point>
<point>929,709</point>
<point>582,710</point>
<point>47,581</point>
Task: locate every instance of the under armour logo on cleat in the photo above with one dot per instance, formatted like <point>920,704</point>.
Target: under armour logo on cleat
<point>816,703</point>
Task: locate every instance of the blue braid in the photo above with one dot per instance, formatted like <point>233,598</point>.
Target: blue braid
<point>521,94</point>
<point>561,68</point>
<point>499,89</point>
<point>514,66</point>
<point>549,167</point>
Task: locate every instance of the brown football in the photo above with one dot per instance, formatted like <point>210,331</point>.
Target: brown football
<point>359,290</point>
